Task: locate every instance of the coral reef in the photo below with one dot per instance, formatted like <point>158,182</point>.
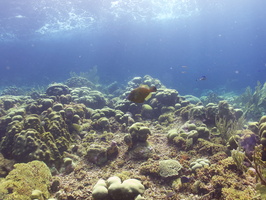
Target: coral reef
<point>199,163</point>
<point>30,139</point>
<point>57,89</point>
<point>78,81</point>
<point>199,148</point>
<point>211,98</point>
<point>100,154</point>
<point>192,99</point>
<point>91,98</point>
<point>138,133</point>
<point>262,134</point>
<point>169,168</point>
<point>155,106</point>
<point>115,189</point>
<point>188,134</point>
<point>22,181</point>
<point>90,75</point>
<point>5,166</point>
<point>12,90</point>
<point>222,180</point>
<point>253,103</point>
<point>136,141</point>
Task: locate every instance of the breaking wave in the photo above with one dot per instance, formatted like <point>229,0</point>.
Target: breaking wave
<point>35,18</point>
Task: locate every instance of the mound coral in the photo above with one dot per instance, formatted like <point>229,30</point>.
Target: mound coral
<point>138,133</point>
<point>115,189</point>
<point>57,89</point>
<point>78,81</point>
<point>31,139</point>
<point>91,98</point>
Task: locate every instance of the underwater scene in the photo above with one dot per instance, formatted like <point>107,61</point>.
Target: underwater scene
<point>132,100</point>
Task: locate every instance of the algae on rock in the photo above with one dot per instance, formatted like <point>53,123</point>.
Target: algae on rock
<point>24,179</point>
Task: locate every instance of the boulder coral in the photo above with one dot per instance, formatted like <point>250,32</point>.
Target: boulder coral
<point>115,189</point>
<point>78,81</point>
<point>147,111</point>
<point>188,134</point>
<point>34,138</point>
<point>57,89</point>
<point>192,99</point>
<point>91,98</point>
<point>166,97</point>
<point>138,133</point>
<point>101,153</point>
<point>137,143</point>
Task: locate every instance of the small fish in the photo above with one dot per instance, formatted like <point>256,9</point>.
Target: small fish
<point>170,195</point>
<point>202,78</point>
<point>140,94</point>
<point>184,66</point>
<point>185,179</point>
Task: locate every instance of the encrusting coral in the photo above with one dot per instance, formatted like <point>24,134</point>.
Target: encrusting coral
<point>24,179</point>
<point>169,168</point>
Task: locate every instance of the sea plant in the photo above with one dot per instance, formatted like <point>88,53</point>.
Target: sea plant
<point>239,157</point>
<point>91,74</point>
<point>253,103</point>
<point>258,164</point>
<point>228,128</point>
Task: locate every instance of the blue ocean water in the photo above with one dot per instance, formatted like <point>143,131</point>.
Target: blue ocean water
<point>176,41</point>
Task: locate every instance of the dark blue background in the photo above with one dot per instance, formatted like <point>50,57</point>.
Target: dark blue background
<point>223,40</point>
